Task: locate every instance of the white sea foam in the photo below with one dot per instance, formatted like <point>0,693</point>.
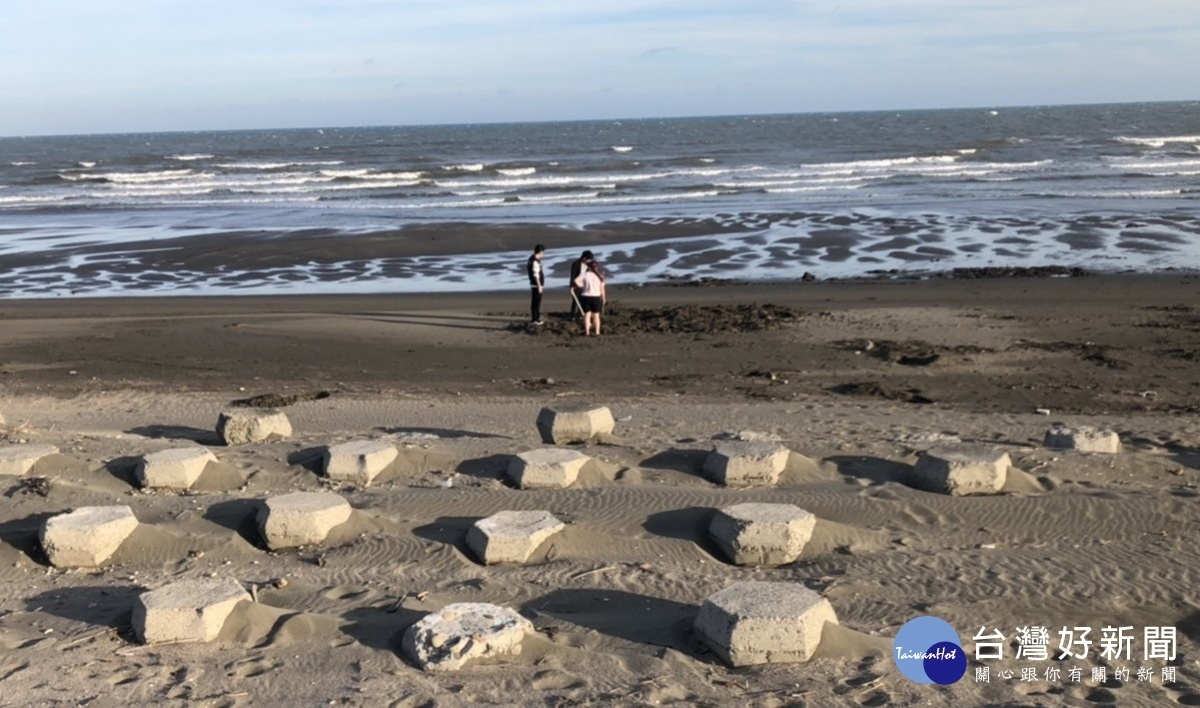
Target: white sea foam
<point>883,164</point>
<point>86,164</point>
<point>565,199</point>
<point>469,167</point>
<point>797,190</point>
<point>831,181</point>
<point>509,184</point>
<point>516,171</point>
<point>1154,164</point>
<point>1115,194</point>
<point>134,177</point>
<point>190,158</point>
<point>1160,142</point>
<point>367,174</point>
<point>708,160</point>
<point>622,148</point>
<point>22,163</point>
<point>23,201</point>
<point>276,165</point>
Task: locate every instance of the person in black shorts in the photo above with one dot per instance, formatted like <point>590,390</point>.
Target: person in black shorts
<point>537,283</point>
<point>592,296</point>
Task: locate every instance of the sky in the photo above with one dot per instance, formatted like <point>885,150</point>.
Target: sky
<point>82,66</point>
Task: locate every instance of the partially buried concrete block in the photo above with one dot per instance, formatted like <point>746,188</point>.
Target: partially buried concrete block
<point>764,623</point>
<point>86,537</point>
<point>358,461</point>
<point>546,468</point>
<point>252,425</point>
<point>961,470</point>
<point>511,536</point>
<point>178,468</point>
<point>1083,439</point>
<point>186,611</point>
<point>301,518</point>
<point>17,460</point>
<point>462,633</point>
<point>762,534</point>
<point>565,424</point>
<point>746,464</point>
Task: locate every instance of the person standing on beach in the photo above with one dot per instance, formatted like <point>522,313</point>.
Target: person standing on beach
<point>592,296</point>
<point>577,268</point>
<point>537,284</point>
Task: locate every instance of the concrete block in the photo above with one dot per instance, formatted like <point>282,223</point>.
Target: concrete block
<point>238,426</point>
<point>86,537</point>
<point>762,534</point>
<point>301,518</point>
<point>178,468</point>
<point>546,468</point>
<point>463,633</point>
<point>187,610</point>
<point>359,461</point>
<point>961,470</point>
<point>746,464</point>
<point>17,460</point>
<point>511,536</point>
<point>754,622</point>
<point>1083,439</point>
<point>561,425</point>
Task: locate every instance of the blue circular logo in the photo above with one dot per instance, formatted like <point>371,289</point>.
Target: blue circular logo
<point>927,650</point>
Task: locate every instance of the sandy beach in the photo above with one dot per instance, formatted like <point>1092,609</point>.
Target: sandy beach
<point>856,379</point>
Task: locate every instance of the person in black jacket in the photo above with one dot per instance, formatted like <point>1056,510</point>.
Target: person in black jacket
<point>537,283</point>
<point>577,268</point>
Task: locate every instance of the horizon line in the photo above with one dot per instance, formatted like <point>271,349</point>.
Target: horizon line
<point>593,120</point>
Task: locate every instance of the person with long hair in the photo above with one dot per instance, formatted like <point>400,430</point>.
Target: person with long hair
<point>592,296</point>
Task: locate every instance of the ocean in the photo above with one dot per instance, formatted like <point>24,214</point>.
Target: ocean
<point>433,208</point>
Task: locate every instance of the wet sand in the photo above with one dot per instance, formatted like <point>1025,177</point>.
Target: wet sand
<point>1090,345</point>
<point>856,379</point>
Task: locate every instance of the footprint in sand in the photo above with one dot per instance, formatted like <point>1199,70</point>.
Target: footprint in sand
<point>876,698</point>
<point>127,675</point>
<point>8,669</point>
<point>251,666</point>
<point>1183,695</point>
<point>183,685</point>
<point>556,680</point>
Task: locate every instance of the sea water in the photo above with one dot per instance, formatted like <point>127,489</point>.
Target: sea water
<point>1106,187</point>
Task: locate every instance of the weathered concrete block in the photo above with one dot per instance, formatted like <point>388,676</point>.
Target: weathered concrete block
<point>961,470</point>
<point>746,464</point>
<point>86,537</point>
<point>17,460</point>
<point>546,468</point>
<point>511,536</point>
<point>1083,438</point>
<point>238,426</point>
<point>186,611</point>
<point>462,633</point>
<point>301,518</point>
<point>762,534</point>
<point>574,423</point>
<point>764,623</point>
<point>359,461</point>
<point>174,469</point>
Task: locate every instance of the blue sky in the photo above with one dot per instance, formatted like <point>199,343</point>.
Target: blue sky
<point>82,66</point>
